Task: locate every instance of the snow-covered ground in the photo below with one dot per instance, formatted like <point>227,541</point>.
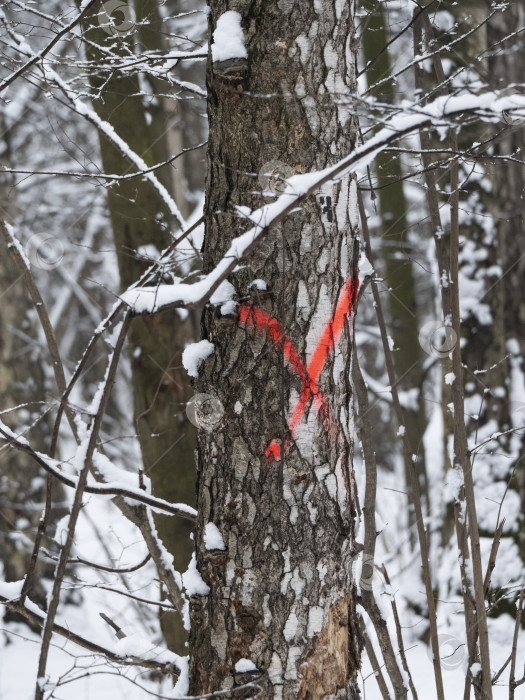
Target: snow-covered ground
<point>78,673</point>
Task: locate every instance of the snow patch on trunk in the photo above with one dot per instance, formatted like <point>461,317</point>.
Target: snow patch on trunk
<point>228,38</point>
<point>213,538</point>
<point>195,354</point>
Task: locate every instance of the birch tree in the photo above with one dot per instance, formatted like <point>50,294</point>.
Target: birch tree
<point>288,581</point>
<point>278,484</point>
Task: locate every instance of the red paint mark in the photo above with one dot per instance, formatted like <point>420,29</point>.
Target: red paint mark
<point>273,451</point>
<point>327,342</point>
<point>308,375</point>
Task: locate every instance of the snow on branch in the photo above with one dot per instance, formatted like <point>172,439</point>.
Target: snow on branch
<point>164,661</point>
<point>120,487</point>
<point>109,132</point>
<point>488,106</point>
<point>78,106</point>
<point>35,58</point>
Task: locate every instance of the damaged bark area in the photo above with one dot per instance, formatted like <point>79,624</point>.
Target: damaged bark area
<point>280,489</point>
<point>332,661</point>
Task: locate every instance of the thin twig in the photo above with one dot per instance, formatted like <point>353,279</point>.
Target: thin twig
<point>400,642</point>
<point>20,261</point>
<point>493,555</point>
<point>40,55</point>
<point>512,682</point>
<point>368,600</point>
<point>129,660</point>
<point>461,453</point>
<point>91,442</point>
<point>370,652</point>
<point>410,467</point>
<point>138,496</point>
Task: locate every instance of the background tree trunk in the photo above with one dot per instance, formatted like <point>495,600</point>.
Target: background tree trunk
<point>24,397</point>
<point>397,252</point>
<point>140,218</point>
<point>508,209</point>
<point>281,594</point>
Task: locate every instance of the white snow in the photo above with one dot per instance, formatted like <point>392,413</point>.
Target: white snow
<point>245,666</point>
<point>212,537</point>
<point>489,105</point>
<point>195,354</point>
<point>449,378</point>
<point>228,38</point>
<point>61,530</point>
<point>259,284</point>
<point>192,580</point>
<point>11,590</point>
<point>223,297</point>
<point>182,686</point>
<point>475,669</point>
<point>136,644</point>
<point>107,129</point>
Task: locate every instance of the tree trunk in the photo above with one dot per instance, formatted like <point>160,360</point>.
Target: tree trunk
<point>23,398</point>
<point>139,218</point>
<point>281,593</point>
<point>397,253</point>
<point>508,210</point>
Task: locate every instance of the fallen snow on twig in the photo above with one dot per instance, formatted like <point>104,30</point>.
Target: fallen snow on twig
<point>489,106</point>
<point>135,644</point>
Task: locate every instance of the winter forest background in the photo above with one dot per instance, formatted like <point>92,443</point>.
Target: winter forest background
<point>279,244</point>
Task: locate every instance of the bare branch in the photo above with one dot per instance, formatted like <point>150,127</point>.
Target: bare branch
<point>40,55</point>
<point>39,619</point>
<point>158,504</point>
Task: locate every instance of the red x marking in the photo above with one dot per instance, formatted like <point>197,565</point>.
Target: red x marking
<point>309,375</point>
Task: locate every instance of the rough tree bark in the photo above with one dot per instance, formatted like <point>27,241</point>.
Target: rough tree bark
<point>281,593</point>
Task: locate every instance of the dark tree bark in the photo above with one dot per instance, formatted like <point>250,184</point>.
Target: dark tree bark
<point>281,594</point>
<point>24,400</point>
<point>397,252</point>
<point>141,217</point>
